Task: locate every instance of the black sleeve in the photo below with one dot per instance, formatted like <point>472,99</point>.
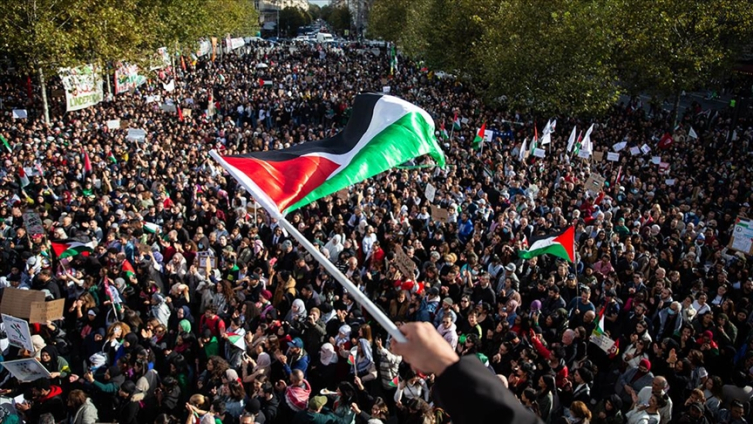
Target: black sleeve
<point>472,395</point>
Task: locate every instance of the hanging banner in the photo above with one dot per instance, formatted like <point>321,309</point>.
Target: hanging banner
<point>236,43</point>
<point>83,87</point>
<point>161,59</point>
<point>214,48</point>
<point>127,78</point>
<point>205,47</point>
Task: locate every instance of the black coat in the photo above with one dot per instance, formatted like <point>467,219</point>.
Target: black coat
<point>471,394</point>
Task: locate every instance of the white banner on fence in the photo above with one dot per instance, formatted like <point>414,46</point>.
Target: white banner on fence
<point>83,87</point>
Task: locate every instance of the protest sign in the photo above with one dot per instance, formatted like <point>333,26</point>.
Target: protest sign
<point>613,157</point>
<point>204,257</point>
<point>26,370</point>
<point>127,78</point>
<point>20,114</point>
<point>645,149</point>
<point>386,89</point>
<point>595,182</point>
<point>604,342</point>
<point>540,153</point>
<point>635,151</point>
<point>18,332</point>
<point>113,124</point>
<point>430,192</point>
<point>656,160</point>
<point>742,236</point>
<point>83,87</point>
<point>187,113</point>
<point>168,107</point>
<point>663,167</point>
<point>404,264</point>
<point>583,154</point>
<point>619,146</point>
<point>18,302</point>
<point>42,312</point>
<point>669,181</point>
<point>439,214</point>
<point>136,134</point>
<point>33,223</point>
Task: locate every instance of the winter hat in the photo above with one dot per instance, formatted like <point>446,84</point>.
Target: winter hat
<point>645,363</point>
<point>536,305</point>
<point>317,402</point>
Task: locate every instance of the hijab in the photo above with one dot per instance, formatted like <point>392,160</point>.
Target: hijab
<point>52,365</point>
<point>296,316</point>
<point>334,247</point>
<point>327,355</point>
<point>185,325</point>
<point>263,361</point>
<point>365,358</point>
<point>343,335</point>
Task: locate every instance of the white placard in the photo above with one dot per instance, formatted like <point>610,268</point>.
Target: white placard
<point>604,342</point>
<point>154,98</point>
<point>489,136</point>
<point>136,134</point>
<point>169,108</point>
<point>430,192</point>
<point>613,157</point>
<point>635,151</point>
<point>386,89</point>
<point>645,149</point>
<point>26,370</point>
<point>20,114</point>
<point>113,124</point>
<point>619,146</point>
<point>670,182</point>
<point>464,121</point>
<point>656,160</point>
<point>541,153</point>
<point>584,154</point>
<point>18,333</point>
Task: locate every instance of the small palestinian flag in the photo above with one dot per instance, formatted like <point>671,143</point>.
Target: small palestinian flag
<point>22,178</point>
<point>237,340</point>
<point>352,359</point>
<point>383,132</point>
<point>265,83</point>
<point>456,122</point>
<point>127,269</point>
<point>443,132</point>
<point>561,245</point>
<point>479,139</point>
<point>395,382</point>
<point>69,249</point>
<point>151,228</point>
<point>7,146</point>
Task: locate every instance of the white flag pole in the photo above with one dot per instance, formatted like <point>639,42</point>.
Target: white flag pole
<point>353,291</point>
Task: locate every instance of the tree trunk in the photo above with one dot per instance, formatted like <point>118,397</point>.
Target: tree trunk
<point>45,106</point>
<point>676,110</point>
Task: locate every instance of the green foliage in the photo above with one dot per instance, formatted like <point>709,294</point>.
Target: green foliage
<point>339,18</point>
<point>315,12</point>
<point>291,18</point>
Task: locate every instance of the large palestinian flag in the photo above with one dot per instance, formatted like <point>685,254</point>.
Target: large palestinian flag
<point>383,132</point>
<point>71,248</point>
<point>561,245</point>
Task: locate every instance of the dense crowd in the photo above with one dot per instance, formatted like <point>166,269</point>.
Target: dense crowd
<point>195,306</point>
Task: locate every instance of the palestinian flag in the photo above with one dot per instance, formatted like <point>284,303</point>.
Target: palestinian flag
<point>110,157</point>
<point>151,228</point>
<point>479,139</point>
<point>265,83</point>
<point>383,132</point>
<point>22,178</point>
<point>70,249</point>
<point>443,132</point>
<point>456,122</point>
<point>5,143</point>
<point>352,359</point>
<point>599,329</point>
<point>561,245</point>
<point>395,382</point>
<point>127,269</point>
<point>237,340</point>
<point>87,163</point>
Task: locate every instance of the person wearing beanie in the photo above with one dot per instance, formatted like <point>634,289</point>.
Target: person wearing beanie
<point>128,408</point>
<point>315,414</point>
<point>253,410</point>
<point>47,399</point>
<point>633,380</point>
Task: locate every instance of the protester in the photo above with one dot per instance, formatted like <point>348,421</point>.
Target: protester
<point>186,302</point>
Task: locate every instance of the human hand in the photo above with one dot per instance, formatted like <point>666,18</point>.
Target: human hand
<point>425,346</point>
<point>358,382</point>
<point>354,407</point>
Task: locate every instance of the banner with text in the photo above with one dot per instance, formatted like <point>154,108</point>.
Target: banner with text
<point>83,87</point>
<point>127,78</point>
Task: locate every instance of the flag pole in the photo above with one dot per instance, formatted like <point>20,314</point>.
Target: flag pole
<point>353,291</point>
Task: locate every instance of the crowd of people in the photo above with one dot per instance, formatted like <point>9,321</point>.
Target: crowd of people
<point>195,307</point>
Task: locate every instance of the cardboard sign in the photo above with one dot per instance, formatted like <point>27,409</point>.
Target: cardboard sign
<point>613,157</point>
<point>41,312</point>
<point>439,214</point>
<point>404,264</point>
<point>598,156</point>
<point>595,182</point>
<point>187,113</point>
<point>26,370</point>
<point>20,114</point>
<point>33,223</point>
<point>430,192</point>
<point>742,236</point>
<point>204,257</point>
<point>386,89</point>
<point>540,153</point>
<point>645,149</point>
<point>635,151</point>
<point>18,302</point>
<point>113,124</point>
<point>343,194</point>
<point>18,332</point>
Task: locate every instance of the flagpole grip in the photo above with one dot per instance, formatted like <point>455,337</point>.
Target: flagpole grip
<point>353,291</point>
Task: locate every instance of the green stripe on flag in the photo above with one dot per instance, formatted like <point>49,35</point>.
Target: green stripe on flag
<point>5,143</point>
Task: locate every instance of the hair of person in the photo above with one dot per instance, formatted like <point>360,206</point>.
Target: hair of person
<point>77,398</point>
<point>579,410</point>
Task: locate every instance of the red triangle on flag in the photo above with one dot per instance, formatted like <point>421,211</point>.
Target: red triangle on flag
<point>567,240</point>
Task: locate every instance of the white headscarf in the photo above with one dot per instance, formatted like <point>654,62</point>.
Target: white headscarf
<point>334,246</point>
<point>327,355</point>
<point>296,316</point>
<point>343,335</point>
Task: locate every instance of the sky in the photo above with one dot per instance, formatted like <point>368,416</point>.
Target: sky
<point>319,2</point>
